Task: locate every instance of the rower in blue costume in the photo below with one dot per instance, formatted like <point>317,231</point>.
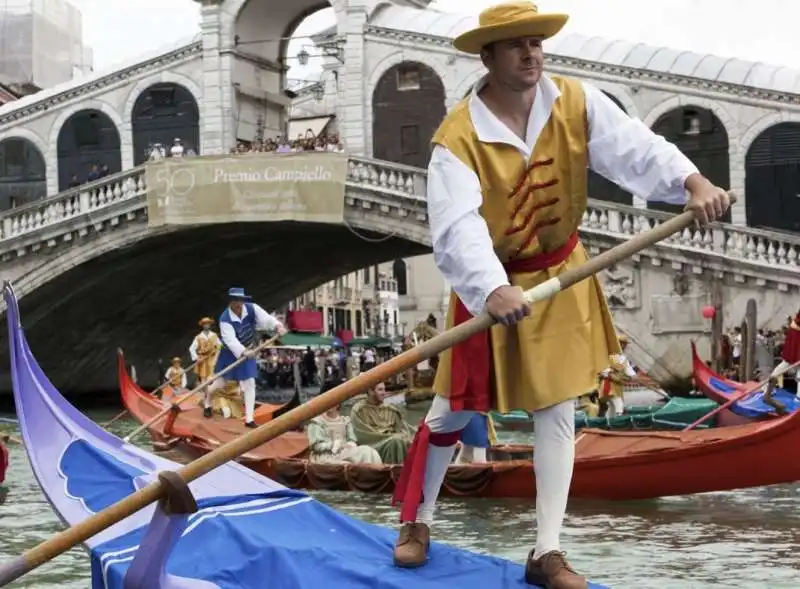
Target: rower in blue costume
<point>238,327</point>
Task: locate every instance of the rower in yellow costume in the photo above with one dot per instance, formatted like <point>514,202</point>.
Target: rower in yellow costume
<point>204,350</point>
<point>506,194</point>
<point>613,379</point>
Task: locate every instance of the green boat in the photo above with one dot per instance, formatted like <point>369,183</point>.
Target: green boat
<point>675,414</point>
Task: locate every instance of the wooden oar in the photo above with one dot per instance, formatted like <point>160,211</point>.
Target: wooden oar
<point>196,390</point>
<point>124,412</point>
<point>113,514</point>
<point>739,396</point>
<point>641,383</point>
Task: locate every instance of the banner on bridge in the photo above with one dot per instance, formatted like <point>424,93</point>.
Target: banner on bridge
<point>251,187</point>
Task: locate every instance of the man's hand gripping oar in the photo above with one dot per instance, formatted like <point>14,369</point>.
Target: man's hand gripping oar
<point>78,533</point>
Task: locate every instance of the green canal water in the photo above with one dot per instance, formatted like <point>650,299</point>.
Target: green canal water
<point>745,539</point>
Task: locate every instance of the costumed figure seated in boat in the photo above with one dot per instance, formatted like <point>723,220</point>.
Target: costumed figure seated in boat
<point>476,439</point>
<point>381,426</point>
<point>332,439</point>
<point>507,189</point>
<point>176,378</point>
<point>238,326</point>
<point>204,350</point>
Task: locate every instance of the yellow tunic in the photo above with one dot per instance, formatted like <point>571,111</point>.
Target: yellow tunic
<point>612,380</point>
<point>207,351</point>
<point>557,352</point>
<point>175,376</point>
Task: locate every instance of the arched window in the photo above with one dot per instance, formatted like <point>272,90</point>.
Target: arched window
<point>772,178</point>
<point>23,175</point>
<point>88,148</point>
<point>408,105</point>
<point>400,271</point>
<point>702,137</point>
<point>161,114</point>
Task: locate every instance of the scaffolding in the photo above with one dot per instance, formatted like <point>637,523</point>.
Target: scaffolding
<point>41,42</point>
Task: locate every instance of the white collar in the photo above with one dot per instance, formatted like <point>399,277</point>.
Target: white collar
<point>490,129</point>
<point>235,317</point>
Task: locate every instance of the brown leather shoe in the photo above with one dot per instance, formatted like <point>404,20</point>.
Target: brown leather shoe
<point>411,550</point>
<point>552,571</point>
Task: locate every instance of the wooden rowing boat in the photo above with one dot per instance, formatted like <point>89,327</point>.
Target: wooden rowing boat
<point>188,427</point>
<point>617,466</point>
<point>229,529</point>
<point>720,389</point>
<point>675,414</point>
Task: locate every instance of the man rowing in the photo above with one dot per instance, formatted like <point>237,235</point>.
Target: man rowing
<point>204,349</point>
<point>613,379</point>
<point>506,194</point>
<point>238,326</point>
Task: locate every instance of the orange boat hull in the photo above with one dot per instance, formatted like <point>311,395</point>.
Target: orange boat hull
<point>615,466</point>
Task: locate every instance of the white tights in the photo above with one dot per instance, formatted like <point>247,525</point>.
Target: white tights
<point>248,388</point>
<point>781,368</point>
<point>555,455</point>
<point>616,406</point>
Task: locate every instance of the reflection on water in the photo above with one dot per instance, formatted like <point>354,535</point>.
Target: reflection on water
<point>746,539</point>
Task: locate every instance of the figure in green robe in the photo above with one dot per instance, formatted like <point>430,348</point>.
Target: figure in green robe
<point>381,426</point>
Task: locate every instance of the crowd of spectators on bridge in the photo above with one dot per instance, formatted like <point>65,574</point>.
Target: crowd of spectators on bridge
<point>282,144</point>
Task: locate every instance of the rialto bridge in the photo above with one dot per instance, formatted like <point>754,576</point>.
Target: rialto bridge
<point>94,275</point>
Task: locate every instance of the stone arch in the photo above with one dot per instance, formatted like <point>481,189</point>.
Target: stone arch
<point>161,113</point>
<point>263,27</point>
<point>88,147</point>
<point>772,178</point>
<point>58,265</point>
<point>400,273</point>
<point>23,172</point>
<point>390,61</point>
<point>700,134</point>
<point>674,102</point>
<point>408,104</point>
<point>165,77</point>
<point>53,167</point>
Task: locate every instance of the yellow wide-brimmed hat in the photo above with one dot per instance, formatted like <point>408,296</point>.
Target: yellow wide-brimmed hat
<point>511,20</point>
<point>623,339</point>
<point>206,321</point>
